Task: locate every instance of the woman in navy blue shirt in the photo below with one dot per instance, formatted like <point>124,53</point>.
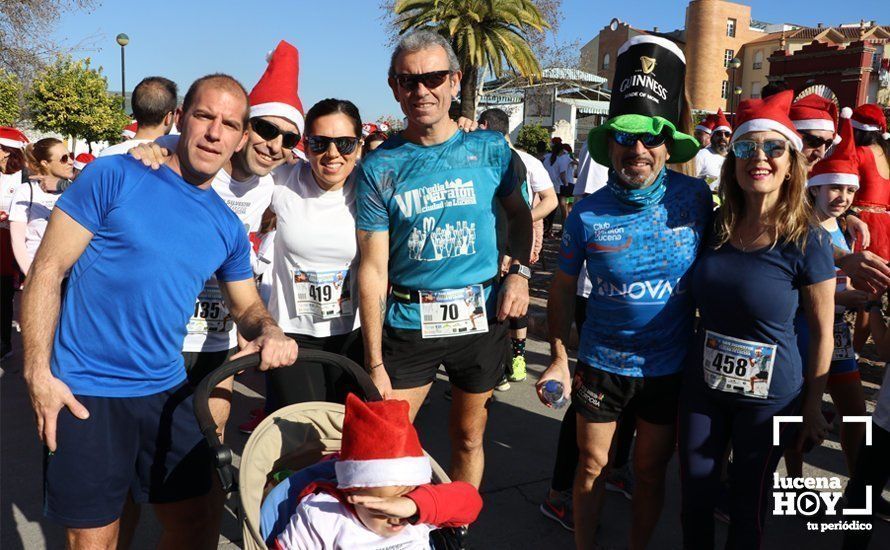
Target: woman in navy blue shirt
<point>767,256</point>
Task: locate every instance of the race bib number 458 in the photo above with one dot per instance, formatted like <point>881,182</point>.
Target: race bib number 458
<point>738,366</point>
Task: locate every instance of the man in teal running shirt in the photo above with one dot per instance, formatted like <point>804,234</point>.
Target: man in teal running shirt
<point>426,225</point>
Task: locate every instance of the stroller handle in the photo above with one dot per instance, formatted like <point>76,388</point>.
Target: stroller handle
<point>222,455</point>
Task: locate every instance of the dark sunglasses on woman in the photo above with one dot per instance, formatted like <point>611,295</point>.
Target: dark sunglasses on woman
<point>320,144</point>
<point>772,148</point>
<point>269,131</point>
<point>64,158</point>
<point>627,139</point>
<point>430,80</point>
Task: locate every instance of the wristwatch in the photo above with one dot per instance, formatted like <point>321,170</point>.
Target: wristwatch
<point>521,270</point>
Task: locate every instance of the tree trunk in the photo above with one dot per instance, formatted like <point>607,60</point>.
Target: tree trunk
<point>468,85</point>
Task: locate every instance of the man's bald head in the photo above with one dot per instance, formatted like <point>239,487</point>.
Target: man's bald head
<point>153,99</point>
<point>220,81</point>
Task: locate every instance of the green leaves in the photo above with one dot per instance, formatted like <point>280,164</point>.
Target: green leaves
<point>10,99</point>
<point>70,98</point>
<point>530,135</point>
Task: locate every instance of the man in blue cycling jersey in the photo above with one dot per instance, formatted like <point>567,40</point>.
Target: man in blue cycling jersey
<point>639,236</point>
<point>426,225</point>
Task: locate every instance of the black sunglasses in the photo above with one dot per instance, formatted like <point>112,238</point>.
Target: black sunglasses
<point>627,139</point>
<point>430,81</point>
<point>814,142</point>
<point>320,144</point>
<point>269,131</point>
<point>64,158</point>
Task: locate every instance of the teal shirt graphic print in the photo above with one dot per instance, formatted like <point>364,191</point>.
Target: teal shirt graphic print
<point>438,205</point>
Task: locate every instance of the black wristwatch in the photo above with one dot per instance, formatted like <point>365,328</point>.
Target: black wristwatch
<point>521,270</point>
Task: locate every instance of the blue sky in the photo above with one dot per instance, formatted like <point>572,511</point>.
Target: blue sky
<point>342,43</point>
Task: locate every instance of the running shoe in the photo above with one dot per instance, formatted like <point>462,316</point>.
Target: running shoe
<point>502,384</point>
<point>249,426</point>
<point>559,509</point>
<point>517,369</point>
<point>621,480</point>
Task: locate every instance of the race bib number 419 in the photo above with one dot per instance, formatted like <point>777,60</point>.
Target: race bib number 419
<point>738,366</point>
<point>322,294</point>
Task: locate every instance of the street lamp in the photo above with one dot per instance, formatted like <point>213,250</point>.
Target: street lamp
<point>734,65</point>
<point>123,40</point>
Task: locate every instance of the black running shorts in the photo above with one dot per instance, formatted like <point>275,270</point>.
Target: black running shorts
<point>600,396</point>
<point>474,362</point>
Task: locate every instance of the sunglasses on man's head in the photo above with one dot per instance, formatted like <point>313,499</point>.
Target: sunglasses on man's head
<point>814,142</point>
<point>772,148</point>
<point>320,144</point>
<point>430,81</point>
<point>269,131</point>
<point>627,139</point>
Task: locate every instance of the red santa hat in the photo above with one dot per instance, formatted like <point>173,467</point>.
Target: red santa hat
<point>707,125</point>
<point>767,115</point>
<point>129,130</point>
<point>842,167</point>
<point>870,118</point>
<point>12,137</point>
<point>368,128</point>
<point>815,112</point>
<point>380,447</point>
<point>276,92</point>
<point>383,127</point>
<point>721,124</point>
<point>81,160</point>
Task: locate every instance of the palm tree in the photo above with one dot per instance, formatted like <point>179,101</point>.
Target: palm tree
<point>484,33</point>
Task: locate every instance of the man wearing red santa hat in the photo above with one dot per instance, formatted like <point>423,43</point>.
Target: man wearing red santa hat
<point>709,160</point>
<point>703,130</point>
<point>815,119</point>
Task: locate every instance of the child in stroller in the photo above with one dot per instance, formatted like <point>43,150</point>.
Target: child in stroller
<point>380,493</point>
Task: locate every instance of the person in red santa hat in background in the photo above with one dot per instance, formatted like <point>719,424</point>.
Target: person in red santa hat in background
<point>873,199</point>
<point>11,163</point>
<point>709,160</point>
<point>815,119</point>
<point>382,495</point>
<point>704,129</point>
<point>832,186</point>
<point>81,161</point>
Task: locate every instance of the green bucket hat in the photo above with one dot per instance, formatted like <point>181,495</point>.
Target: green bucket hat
<point>647,97</point>
<point>682,148</point>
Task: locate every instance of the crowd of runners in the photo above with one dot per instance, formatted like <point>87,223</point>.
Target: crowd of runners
<point>718,275</point>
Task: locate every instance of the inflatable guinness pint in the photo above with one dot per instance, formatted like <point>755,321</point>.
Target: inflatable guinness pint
<point>647,96</point>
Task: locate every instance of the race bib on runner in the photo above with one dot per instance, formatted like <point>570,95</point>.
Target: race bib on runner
<point>843,341</point>
<point>211,313</point>
<point>738,366</point>
<point>453,312</point>
<point>322,294</point>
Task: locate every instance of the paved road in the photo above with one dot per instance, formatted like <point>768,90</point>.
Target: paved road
<point>519,447</point>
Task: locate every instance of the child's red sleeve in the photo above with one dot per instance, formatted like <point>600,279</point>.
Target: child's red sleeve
<point>447,504</point>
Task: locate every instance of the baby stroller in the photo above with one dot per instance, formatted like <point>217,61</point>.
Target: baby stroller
<point>291,439</point>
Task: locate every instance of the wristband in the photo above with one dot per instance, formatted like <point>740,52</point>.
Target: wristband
<point>521,270</point>
<point>377,366</point>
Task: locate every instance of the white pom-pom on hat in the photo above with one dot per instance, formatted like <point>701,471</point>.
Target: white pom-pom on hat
<point>269,55</point>
<point>886,136</point>
<point>846,112</point>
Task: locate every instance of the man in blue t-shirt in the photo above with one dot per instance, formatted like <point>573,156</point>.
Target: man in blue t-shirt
<point>103,363</point>
<point>639,236</point>
<point>426,225</point>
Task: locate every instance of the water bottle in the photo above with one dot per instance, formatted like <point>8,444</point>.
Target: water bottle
<point>553,394</point>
